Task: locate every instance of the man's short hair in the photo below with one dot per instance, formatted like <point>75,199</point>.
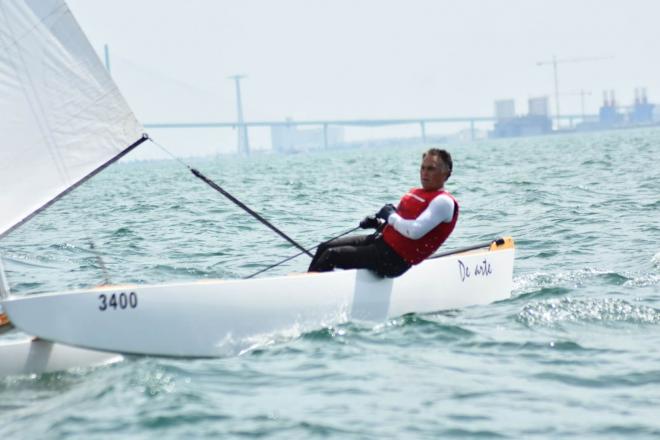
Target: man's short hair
<point>442,154</point>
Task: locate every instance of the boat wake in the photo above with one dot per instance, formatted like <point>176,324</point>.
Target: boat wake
<point>342,331</point>
<point>262,341</point>
<point>420,328</point>
<point>331,326</point>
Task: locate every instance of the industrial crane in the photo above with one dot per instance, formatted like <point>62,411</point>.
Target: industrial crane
<point>554,63</point>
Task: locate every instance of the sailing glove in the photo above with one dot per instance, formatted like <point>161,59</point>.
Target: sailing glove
<point>369,222</point>
<point>385,212</point>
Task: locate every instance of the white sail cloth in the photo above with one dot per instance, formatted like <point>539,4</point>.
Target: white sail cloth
<point>61,115</point>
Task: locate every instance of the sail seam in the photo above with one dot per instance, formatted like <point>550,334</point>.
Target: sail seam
<point>16,41</point>
<point>35,104</point>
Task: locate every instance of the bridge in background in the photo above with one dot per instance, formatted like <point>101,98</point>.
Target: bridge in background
<point>324,124</point>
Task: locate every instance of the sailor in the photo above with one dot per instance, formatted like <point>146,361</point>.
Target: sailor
<point>405,235</point>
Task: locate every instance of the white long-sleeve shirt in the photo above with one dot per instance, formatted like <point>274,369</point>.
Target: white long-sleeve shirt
<point>440,210</point>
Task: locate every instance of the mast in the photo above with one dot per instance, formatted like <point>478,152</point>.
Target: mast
<point>4,285</point>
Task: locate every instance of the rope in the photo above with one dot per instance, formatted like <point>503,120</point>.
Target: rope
<point>298,254</point>
<point>240,204</point>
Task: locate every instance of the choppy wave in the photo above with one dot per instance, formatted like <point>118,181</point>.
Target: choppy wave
<point>539,284</point>
<point>600,310</point>
<point>645,280</point>
<point>578,339</point>
<point>571,279</point>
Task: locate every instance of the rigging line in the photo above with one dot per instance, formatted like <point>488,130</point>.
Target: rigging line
<point>298,254</point>
<point>240,204</point>
<point>166,151</point>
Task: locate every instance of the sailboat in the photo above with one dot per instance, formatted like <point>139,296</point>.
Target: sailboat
<point>66,121</point>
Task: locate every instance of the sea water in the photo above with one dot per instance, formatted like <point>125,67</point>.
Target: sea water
<point>575,352</point>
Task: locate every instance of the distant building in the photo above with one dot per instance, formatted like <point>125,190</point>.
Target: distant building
<point>642,111</point>
<point>505,109</point>
<point>608,115</point>
<point>290,138</point>
<point>538,106</point>
<point>536,121</point>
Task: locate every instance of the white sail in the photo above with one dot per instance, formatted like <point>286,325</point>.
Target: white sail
<point>63,118</point>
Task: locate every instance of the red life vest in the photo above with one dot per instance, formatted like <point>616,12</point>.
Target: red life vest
<point>410,207</point>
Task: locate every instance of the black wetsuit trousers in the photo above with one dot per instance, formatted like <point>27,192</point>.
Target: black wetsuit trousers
<point>359,252</point>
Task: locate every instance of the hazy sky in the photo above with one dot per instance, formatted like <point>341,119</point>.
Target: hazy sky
<point>343,59</point>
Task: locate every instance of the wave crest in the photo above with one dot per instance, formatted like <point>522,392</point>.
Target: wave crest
<point>554,311</point>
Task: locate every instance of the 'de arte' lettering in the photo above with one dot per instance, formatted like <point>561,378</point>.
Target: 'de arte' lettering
<point>482,269</point>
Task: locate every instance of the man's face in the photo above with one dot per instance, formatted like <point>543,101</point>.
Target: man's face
<point>433,173</point>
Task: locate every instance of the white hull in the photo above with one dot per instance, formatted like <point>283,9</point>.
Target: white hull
<point>208,319</point>
<point>34,356</point>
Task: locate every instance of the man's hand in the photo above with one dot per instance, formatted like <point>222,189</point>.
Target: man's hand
<point>370,222</point>
<point>385,212</point>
